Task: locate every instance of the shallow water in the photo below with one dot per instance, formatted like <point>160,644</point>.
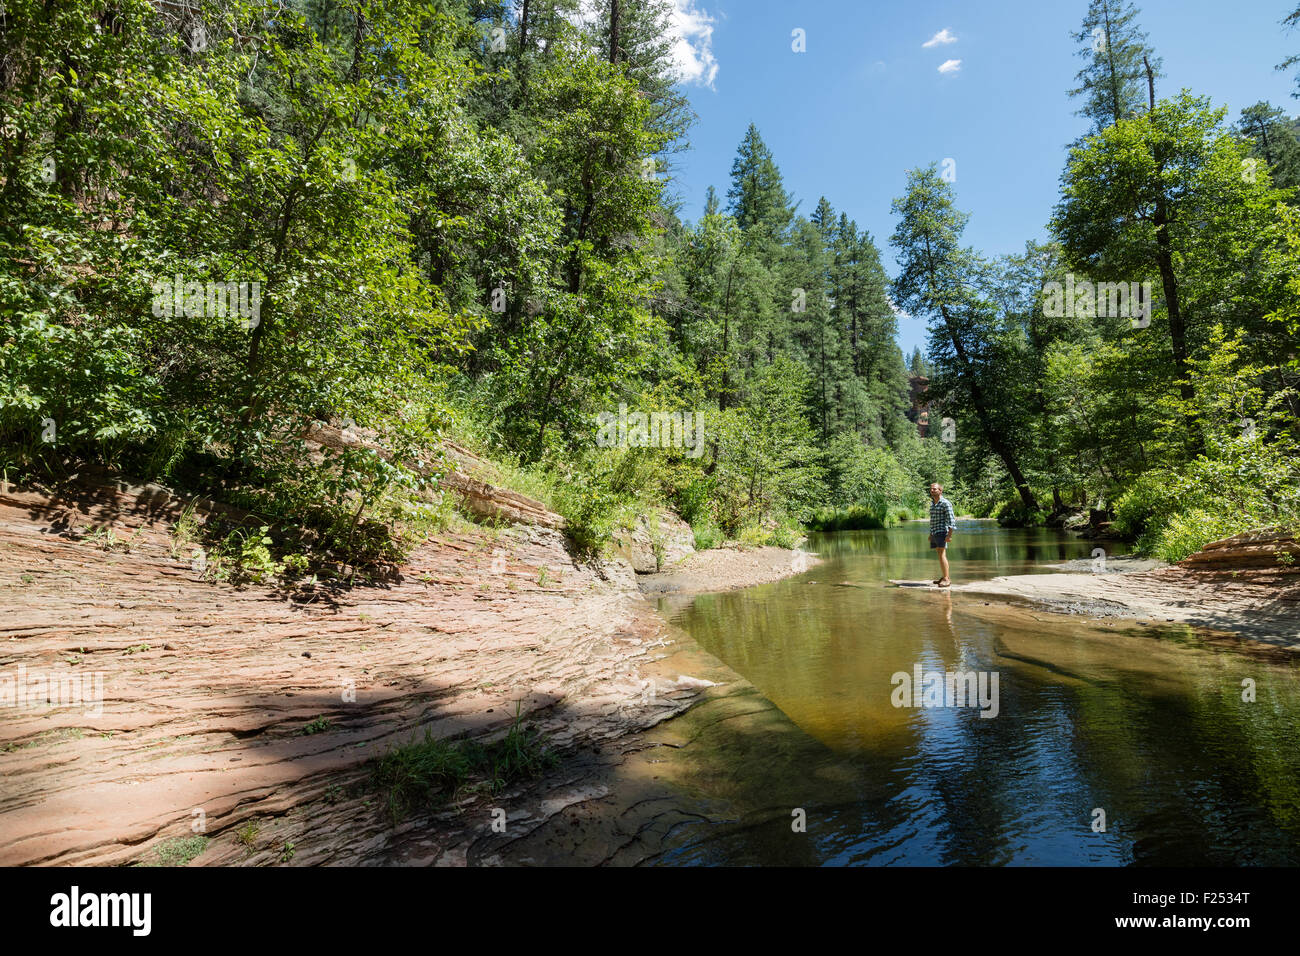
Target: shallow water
<point>1144,723</point>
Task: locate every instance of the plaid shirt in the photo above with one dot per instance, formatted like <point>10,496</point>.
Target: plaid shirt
<point>942,518</point>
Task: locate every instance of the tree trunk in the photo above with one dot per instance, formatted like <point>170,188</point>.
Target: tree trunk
<point>522,63</point>
<point>726,341</point>
<point>1169,281</point>
<point>1114,80</point>
<point>995,440</point>
<point>613,30</point>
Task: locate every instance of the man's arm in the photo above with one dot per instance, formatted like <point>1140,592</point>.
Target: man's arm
<point>951,519</point>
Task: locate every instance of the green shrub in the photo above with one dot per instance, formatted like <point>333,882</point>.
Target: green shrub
<point>854,518</point>
<point>428,772</point>
<point>1172,514</point>
<point>787,533</point>
<point>707,535</point>
<point>588,510</point>
<point>318,726</point>
<point>178,851</point>
<point>1015,514</point>
<point>245,556</point>
<point>691,499</point>
<point>1187,533</point>
<point>1146,503</point>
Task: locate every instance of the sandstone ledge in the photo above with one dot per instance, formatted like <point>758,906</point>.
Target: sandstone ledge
<point>252,715</point>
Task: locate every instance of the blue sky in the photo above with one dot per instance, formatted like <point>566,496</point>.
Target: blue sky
<point>866,101</point>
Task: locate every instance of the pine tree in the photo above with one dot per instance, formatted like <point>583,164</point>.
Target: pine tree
<point>711,204</point>
<point>1112,81</point>
<point>1292,19</point>
<point>1274,141</point>
<point>538,24</point>
<point>757,197</point>
<point>637,34</point>
<point>823,218</point>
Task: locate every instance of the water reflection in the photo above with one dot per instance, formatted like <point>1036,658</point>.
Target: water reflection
<point>1143,723</point>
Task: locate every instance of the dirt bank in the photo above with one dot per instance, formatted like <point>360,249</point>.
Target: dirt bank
<point>247,718</point>
<point>726,569</point>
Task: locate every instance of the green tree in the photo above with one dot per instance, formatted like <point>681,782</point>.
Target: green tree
<point>1116,50</point>
<point>937,279</point>
<point>757,197</point>
<point>586,335</point>
<point>1164,194</point>
<point>1291,20</point>
<point>768,459</point>
<point>638,34</point>
<point>1274,140</point>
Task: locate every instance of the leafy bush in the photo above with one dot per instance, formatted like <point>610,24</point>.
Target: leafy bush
<point>782,533</point>
<point>707,535</point>
<point>1014,514</point>
<point>853,518</point>
<point>876,481</point>
<point>908,513</point>
<point>1188,532</point>
<point>691,499</point>
<point>588,508</point>
<point>985,493</point>
<point>245,556</point>
<point>1255,484</point>
<point>1146,503</point>
<point>786,534</point>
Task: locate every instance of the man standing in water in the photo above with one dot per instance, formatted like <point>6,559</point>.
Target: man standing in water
<point>943,522</point>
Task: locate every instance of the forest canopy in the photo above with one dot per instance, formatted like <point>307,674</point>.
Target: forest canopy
<point>442,219</point>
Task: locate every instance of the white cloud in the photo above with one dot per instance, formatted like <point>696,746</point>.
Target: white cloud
<point>692,31</point>
<point>942,38</point>
<point>950,66</point>
<point>689,27</point>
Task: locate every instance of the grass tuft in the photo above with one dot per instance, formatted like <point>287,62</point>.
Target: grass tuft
<point>430,772</point>
<point>177,851</point>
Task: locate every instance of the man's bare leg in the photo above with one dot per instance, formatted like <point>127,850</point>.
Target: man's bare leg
<point>943,562</point>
